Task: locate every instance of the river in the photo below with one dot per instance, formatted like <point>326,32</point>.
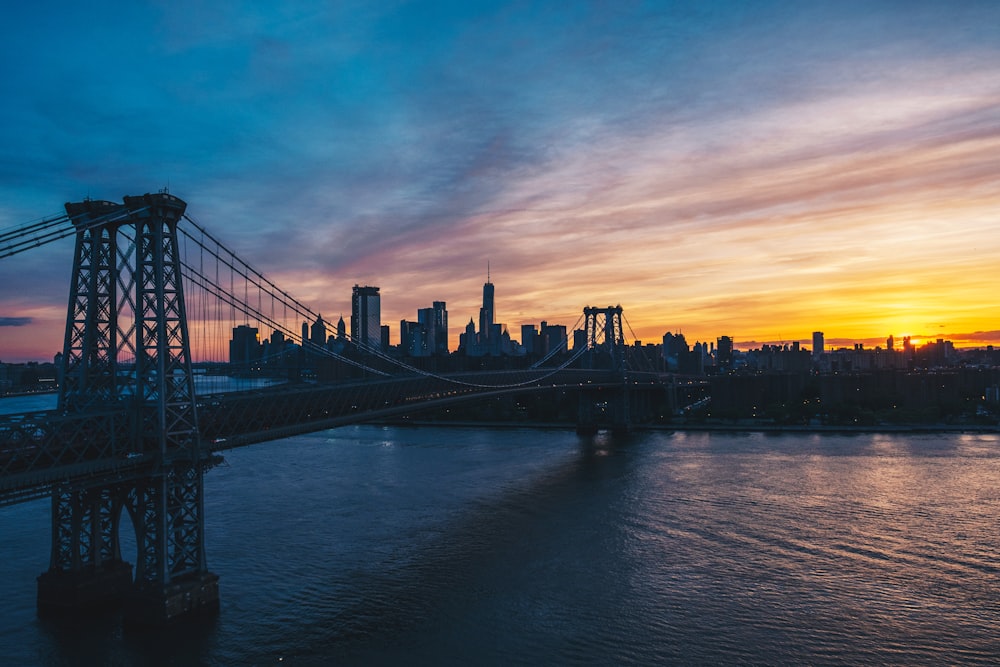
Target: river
<point>427,545</point>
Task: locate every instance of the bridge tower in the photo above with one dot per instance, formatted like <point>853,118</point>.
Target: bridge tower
<point>606,346</point>
<point>603,327</point>
<point>127,355</point>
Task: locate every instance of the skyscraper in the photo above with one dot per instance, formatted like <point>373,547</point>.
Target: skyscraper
<point>366,317</point>
<point>317,334</point>
<point>817,343</point>
<point>724,356</point>
<point>245,345</point>
<point>486,313</point>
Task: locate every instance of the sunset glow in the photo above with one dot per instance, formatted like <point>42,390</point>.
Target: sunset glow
<point>760,172</point>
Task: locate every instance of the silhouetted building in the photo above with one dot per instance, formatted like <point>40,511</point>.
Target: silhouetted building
<point>817,343</point>
<point>553,337</point>
<point>244,348</point>
<point>780,358</point>
<point>440,325</point>
<point>678,356</point>
<point>492,338</point>
<point>696,366</point>
<point>435,320</point>
<point>366,317</point>
<point>487,312</point>
<point>467,339</point>
<point>317,335</point>
<point>724,354</point>
<point>529,339</point>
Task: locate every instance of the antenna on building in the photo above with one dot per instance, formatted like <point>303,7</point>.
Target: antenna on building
<point>487,270</point>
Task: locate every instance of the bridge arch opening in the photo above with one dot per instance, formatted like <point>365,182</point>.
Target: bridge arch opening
<point>128,536</point>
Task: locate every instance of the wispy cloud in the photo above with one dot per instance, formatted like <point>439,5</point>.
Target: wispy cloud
<point>718,167</point>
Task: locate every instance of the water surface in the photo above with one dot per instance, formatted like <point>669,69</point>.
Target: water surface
<point>384,545</point>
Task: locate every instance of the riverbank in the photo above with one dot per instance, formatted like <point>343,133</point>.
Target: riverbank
<point>742,427</point>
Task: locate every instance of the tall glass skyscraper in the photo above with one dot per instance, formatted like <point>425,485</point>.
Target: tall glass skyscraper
<point>366,317</point>
<point>486,313</point>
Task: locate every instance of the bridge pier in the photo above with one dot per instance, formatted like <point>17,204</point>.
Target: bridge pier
<point>86,569</point>
<point>73,592</point>
<point>604,408</point>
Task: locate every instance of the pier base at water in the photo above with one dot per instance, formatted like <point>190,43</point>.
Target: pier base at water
<point>184,598</point>
<point>621,429</point>
<point>61,592</point>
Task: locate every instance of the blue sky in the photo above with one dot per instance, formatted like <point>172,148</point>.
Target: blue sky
<point>754,169</point>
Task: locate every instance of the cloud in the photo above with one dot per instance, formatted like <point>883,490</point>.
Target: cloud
<point>14,321</point>
<point>716,168</point>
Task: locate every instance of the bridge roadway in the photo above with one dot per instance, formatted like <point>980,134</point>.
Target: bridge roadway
<point>40,449</point>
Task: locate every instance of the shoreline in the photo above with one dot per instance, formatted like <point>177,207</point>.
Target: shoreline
<point>721,428</point>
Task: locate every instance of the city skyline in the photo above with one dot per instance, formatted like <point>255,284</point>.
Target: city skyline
<point>759,171</point>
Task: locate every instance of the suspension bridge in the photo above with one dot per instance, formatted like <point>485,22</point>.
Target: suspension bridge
<point>152,294</point>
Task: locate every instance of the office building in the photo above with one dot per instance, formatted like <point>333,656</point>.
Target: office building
<point>817,343</point>
<point>244,348</point>
<point>366,317</point>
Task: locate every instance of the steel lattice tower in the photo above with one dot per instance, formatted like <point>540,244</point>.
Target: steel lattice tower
<point>604,331</point>
<point>127,357</point>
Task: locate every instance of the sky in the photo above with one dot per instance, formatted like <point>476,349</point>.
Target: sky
<point>755,169</point>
